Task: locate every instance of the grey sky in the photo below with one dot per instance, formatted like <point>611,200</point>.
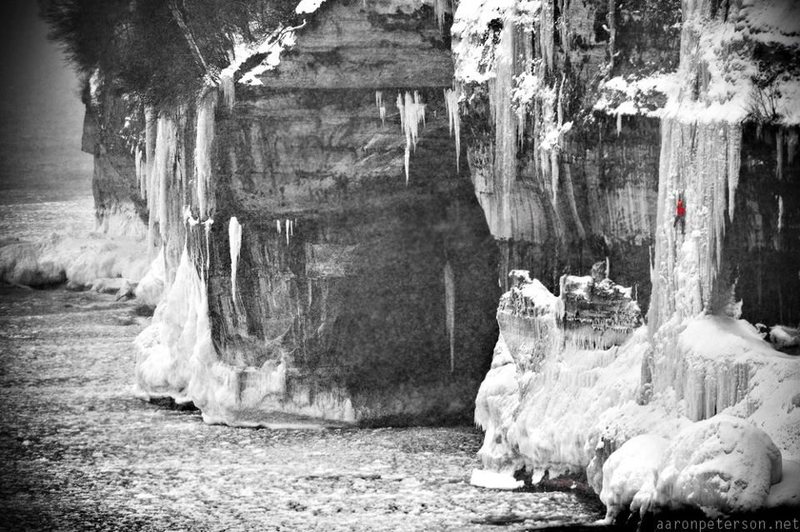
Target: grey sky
<point>41,115</point>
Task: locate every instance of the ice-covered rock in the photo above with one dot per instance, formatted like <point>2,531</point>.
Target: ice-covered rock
<point>786,493</point>
<point>113,285</point>
<point>722,464</point>
<point>546,391</point>
<point>783,337</point>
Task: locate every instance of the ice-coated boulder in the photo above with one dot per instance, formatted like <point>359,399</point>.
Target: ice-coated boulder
<point>722,464</point>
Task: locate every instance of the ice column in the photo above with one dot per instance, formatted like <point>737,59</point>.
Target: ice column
<point>160,176</point>
<point>451,97</point>
<point>206,107</point>
<point>701,162</point>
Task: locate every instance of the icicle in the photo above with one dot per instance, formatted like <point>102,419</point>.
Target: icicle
<point>278,225</point>
<point>159,179</point>
<point>505,125</point>
<point>206,108</point>
<point>608,268</point>
<point>235,241</point>
<point>412,113</point>
<point>619,123</point>
<point>451,97</point>
<point>381,106</point>
<point>439,10</point>
<point>288,229</point>
<point>780,213</point>
<point>450,305</point>
<point>207,225</point>
<point>228,91</point>
<point>291,227</point>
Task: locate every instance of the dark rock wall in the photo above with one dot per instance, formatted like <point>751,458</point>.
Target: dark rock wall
<point>355,298</point>
<point>762,243</point>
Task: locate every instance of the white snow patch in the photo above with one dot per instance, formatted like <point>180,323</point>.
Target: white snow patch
<point>493,480</point>
<point>308,6</point>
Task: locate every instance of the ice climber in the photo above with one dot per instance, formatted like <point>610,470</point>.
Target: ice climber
<point>680,215</point>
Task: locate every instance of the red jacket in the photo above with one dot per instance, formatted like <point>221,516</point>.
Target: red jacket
<point>681,210</point>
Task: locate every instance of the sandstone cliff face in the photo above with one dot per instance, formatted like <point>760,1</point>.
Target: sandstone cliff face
<point>363,290</point>
<point>366,258</point>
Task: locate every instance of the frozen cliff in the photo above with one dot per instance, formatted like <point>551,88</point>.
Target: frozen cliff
<point>696,410</point>
<point>329,194</point>
<point>321,254</point>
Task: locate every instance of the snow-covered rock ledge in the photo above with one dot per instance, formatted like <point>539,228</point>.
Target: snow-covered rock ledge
<point>176,359</point>
<point>719,431</point>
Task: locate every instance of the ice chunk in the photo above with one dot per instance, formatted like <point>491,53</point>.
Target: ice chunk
<point>493,480</point>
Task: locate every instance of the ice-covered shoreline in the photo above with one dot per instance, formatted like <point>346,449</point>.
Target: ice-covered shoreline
<point>50,243</point>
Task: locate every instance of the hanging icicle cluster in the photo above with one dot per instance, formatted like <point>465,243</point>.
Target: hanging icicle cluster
<point>451,97</point>
<point>286,228</point>
<point>412,114</point>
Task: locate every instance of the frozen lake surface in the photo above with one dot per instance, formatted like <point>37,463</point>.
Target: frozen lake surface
<point>79,452</point>
<point>31,216</point>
